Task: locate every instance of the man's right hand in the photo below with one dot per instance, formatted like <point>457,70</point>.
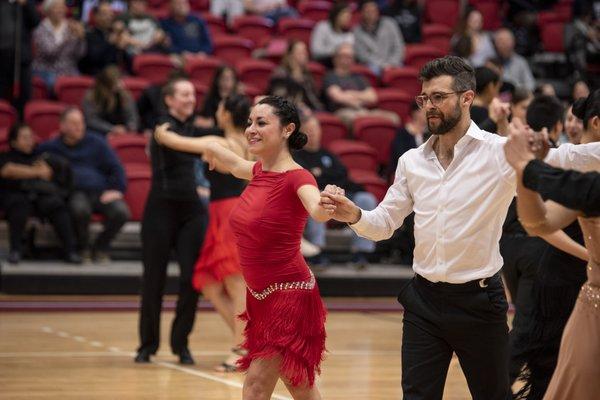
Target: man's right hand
<point>43,170</point>
<point>346,210</point>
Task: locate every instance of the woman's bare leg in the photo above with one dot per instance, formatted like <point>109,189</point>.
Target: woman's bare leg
<point>236,289</point>
<point>261,379</point>
<point>216,294</point>
<point>303,392</point>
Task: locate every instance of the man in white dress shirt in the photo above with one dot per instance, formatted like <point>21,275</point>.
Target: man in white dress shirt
<point>459,185</point>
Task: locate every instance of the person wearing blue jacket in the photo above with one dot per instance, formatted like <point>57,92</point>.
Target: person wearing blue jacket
<point>188,33</point>
<point>98,180</point>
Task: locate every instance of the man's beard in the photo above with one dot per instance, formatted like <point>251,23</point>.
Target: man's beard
<point>446,124</point>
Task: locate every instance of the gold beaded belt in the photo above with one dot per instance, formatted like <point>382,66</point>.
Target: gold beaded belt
<point>590,294</point>
<point>308,285</point>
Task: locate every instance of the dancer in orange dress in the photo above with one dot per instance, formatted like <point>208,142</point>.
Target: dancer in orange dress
<point>218,274</point>
<point>285,331</point>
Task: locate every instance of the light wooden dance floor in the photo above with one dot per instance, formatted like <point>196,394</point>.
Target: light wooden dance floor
<point>88,355</point>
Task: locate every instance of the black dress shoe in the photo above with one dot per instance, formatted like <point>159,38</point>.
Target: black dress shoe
<point>14,257</point>
<point>142,357</point>
<point>185,357</point>
<point>73,258</point>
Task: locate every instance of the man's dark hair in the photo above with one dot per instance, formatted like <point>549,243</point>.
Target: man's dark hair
<point>587,108</point>
<point>483,77</point>
<point>456,67</point>
<point>363,3</point>
<point>14,131</point>
<point>544,112</point>
<point>336,10</point>
<point>169,88</point>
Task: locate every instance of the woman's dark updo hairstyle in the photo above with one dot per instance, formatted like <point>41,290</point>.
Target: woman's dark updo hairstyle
<point>288,114</point>
<point>239,107</point>
<point>587,108</point>
<point>13,133</point>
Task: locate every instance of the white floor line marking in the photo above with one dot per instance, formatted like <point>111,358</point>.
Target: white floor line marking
<point>63,334</point>
<point>47,329</point>
<point>96,344</point>
<point>79,338</point>
<point>114,349</point>
<point>63,354</point>
<point>210,377</point>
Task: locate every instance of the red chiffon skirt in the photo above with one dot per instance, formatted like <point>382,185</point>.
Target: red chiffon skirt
<point>219,256</point>
<point>289,324</point>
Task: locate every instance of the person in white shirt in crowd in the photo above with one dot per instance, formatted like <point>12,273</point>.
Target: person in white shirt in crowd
<point>270,9</point>
<point>378,41</point>
<point>230,9</point>
<point>459,186</point>
<point>516,69</point>
<point>330,34</point>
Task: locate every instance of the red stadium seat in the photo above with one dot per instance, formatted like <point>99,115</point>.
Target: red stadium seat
<point>155,68</point>
<point>438,36</point>
<point>491,11</point>
<point>548,17</point>
<point>200,5</point>
<point>44,117</point>
<point>318,72</point>
<point>215,24</point>
<point>135,86</point>
<point>71,89</point>
<point>418,55</point>
<point>406,78</point>
<point>275,49</point>
<point>255,72</point>
<point>296,29</point>
<point>39,89</point>
<point>332,128</point>
<point>314,9</point>
<point>395,100</point>
<point>552,35</point>
<point>202,69</point>
<point>564,9</point>
<point>253,27</point>
<point>377,132</point>
<point>130,148</point>
<point>138,187</point>
<point>230,49</point>
<point>372,182</point>
<point>4,138</point>
<point>8,114</point>
<point>252,91</point>
<point>442,12</point>
<point>355,154</point>
<point>366,72</point>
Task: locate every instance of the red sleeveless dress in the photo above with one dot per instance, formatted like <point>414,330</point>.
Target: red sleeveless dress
<point>285,315</point>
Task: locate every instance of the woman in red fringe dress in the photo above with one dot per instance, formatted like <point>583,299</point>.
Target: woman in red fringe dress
<point>218,273</point>
<point>285,317</point>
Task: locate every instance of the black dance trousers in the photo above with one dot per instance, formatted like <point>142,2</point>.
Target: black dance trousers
<point>167,225</point>
<point>19,206</point>
<point>467,319</point>
<point>521,256</point>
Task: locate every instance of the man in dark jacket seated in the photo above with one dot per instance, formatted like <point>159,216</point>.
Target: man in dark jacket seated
<point>328,169</point>
<point>98,180</point>
<point>34,185</point>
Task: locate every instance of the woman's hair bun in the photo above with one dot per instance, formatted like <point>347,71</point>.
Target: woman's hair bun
<point>297,140</point>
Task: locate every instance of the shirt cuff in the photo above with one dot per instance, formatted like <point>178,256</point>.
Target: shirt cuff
<point>361,224</point>
<point>531,174</point>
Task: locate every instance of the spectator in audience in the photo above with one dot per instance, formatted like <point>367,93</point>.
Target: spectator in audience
<point>59,43</point>
<point>378,41</point>
<point>545,89</point>
<point>573,126</point>
<point>34,185</point>
<point>18,19</point>
<point>108,107</point>
<point>271,9</point>
<point>143,30</point>
<point>546,112</point>
<point>188,33</point>
<point>106,43</point>
<point>87,7</point>
<point>349,94</point>
<point>580,91</point>
<point>294,65</point>
<point>328,35</point>
<point>408,136</point>
<point>582,38</point>
<point>487,111</point>
<point>291,91</point>
<point>470,41</point>
<point>98,183</point>
<point>227,9</point>
<point>519,102</point>
<point>516,70</point>
<point>407,14</point>
<point>328,169</point>
<point>225,83</point>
